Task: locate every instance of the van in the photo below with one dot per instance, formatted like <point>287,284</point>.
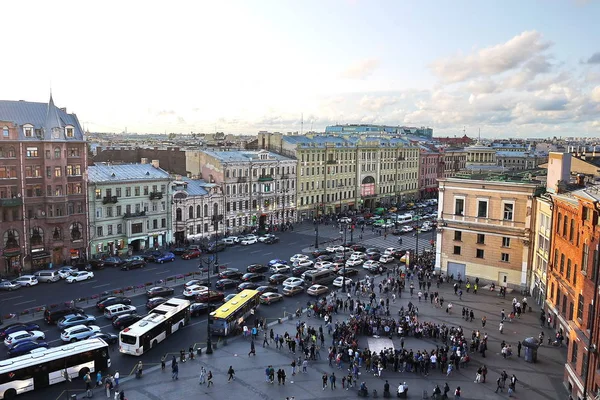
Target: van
<point>53,315</point>
<point>320,277</point>
<point>47,276</point>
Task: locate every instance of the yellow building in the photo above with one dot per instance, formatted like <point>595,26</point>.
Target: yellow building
<point>484,230</point>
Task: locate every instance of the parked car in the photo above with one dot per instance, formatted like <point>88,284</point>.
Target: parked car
<point>320,252</point>
<point>247,285</point>
<point>216,247</point>
<point>123,321</point>
<point>194,290</point>
<point>112,312</point>
<point>78,332</point>
<point>133,264</point>
<point>304,263</point>
<point>266,237</point>
<point>257,268</point>
<point>112,300</point>
<point>354,262</point>
<point>80,276</point>
<point>270,297</point>
<point>298,257</point>
<point>155,302</point>
<point>53,315</point>
<point>249,241</point>
<point>267,289</point>
<point>8,285</point>
<point>271,240</point>
<point>109,338</point>
<point>188,255</point>
<point>276,279</point>
<point>292,290</point>
<point>198,282</point>
<point>317,290</point>
<point>358,247</point>
<point>347,272</point>
<point>26,280</point>
<point>165,257</point>
<point>75,319</point>
<point>223,284</point>
<point>252,277</point>
<point>210,296</point>
<point>324,257</point>
<point>22,336</point>
<point>178,251</point>
<point>162,291</point>
<point>23,348</point>
<point>16,327</point>
<point>92,265</point>
<point>113,262</point>
<point>65,272</point>
<point>151,255</point>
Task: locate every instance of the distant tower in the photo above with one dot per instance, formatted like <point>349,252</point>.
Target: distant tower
<point>302,124</point>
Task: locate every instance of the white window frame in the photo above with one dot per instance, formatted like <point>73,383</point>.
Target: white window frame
<point>505,202</point>
<point>464,200</point>
<point>502,257</point>
<point>507,240</point>
<point>487,208</point>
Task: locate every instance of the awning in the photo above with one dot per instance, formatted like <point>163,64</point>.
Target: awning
<point>131,239</point>
<point>40,255</point>
<point>15,251</point>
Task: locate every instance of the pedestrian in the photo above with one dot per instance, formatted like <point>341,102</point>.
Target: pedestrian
<point>209,378</point>
<point>483,373</point>
<point>107,387</point>
<point>498,384</point>
<point>182,355</point>
<point>98,379</point>
<point>252,349</point>
<point>163,361</point>
<point>501,327</point>
<point>293,367</point>
<point>478,376</point>
<point>519,345</point>
<point>88,381</point>
<point>175,371</point>
<point>283,376</point>
<point>513,382</point>
<point>446,390</point>
<point>279,377</point>
<point>304,366</point>
<point>121,395</point>
<point>266,340</point>
<point>202,376</point>
<point>116,377</point>
<point>324,379</point>
<point>332,380</point>
<point>231,373</point>
<point>457,393</point>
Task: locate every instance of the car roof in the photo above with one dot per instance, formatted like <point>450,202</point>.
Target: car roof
<point>74,327</point>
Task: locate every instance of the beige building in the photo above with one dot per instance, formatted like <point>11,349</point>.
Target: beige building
<point>453,162</point>
<point>484,230</point>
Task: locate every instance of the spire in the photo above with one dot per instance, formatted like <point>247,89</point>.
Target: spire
<point>53,121</point>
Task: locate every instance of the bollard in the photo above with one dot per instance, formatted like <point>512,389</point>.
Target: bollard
<point>199,351</point>
<point>279,320</point>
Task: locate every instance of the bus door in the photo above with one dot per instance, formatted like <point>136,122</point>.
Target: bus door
<point>41,376</point>
<point>146,342</point>
<point>169,327</point>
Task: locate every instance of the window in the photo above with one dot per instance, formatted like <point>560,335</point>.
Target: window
<point>146,191</point>
<point>57,153</point>
<point>459,206</point>
<point>482,209</point>
<point>163,223</point>
<point>137,228</point>
<point>568,269</point>
<point>508,211</point>
<point>458,236</point>
<point>505,242</point>
<point>558,221</point>
<point>574,350</point>
<point>118,192</point>
<point>584,258</point>
<point>480,238</point>
<point>119,211</point>
<point>479,253</point>
<point>70,132</point>
<point>98,193</point>
<point>99,212</point>
<point>580,304</point>
<point>572,230</point>
<point>457,250</point>
<point>28,132</point>
<point>31,152</point>
<point>155,224</point>
<point>109,212</point>
<point>109,230</point>
<point>505,257</point>
<point>99,231</point>
<point>5,131</point>
<point>565,225</point>
<point>562,263</point>
<point>128,191</point>
<point>119,229</point>
<point>57,172</point>
<point>73,152</point>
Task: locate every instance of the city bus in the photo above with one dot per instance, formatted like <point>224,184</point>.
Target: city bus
<point>45,367</point>
<point>230,317</point>
<point>155,327</point>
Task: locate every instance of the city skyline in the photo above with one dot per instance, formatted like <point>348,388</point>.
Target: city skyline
<point>511,69</point>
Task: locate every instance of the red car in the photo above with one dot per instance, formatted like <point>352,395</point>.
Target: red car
<point>188,255</point>
<point>214,297</point>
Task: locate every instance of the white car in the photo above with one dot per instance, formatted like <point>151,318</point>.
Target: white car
<point>248,241</point>
<point>407,228</point>
<point>293,281</point>
<point>426,228</point>
<point>80,276</point>
<point>358,254</point>
<point>337,282</point>
<point>78,332</point>
<point>317,290</point>
<point>22,336</point>
<point>387,225</point>
<point>230,241</point>
<point>65,272</point>
<point>26,280</point>
<point>298,257</point>
<point>389,251</point>
<point>193,290</point>
<point>249,237</point>
<point>354,262</point>
<point>345,220</point>
<point>279,268</point>
<point>371,264</point>
<point>333,249</point>
<point>323,264</point>
<point>386,259</point>
<point>304,263</point>
<point>264,238</point>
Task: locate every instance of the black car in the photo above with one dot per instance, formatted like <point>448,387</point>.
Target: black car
<point>358,247</point>
<point>348,272</point>
<point>25,347</point>
<point>373,255</point>
<point>252,277</point>
<point>230,274</point>
<point>267,289</point>
<point>398,254</point>
<point>324,257</point>
<point>111,301</point>
<point>160,291</point>
<point>297,271</point>
<point>16,327</point>
<point>123,321</point>
<point>151,255</point>
<point>277,279</point>
<point>113,262</point>
<point>109,338</point>
<point>178,251</point>
<point>197,309</point>
<point>133,264</point>
<point>53,315</point>
<point>377,269</point>
<point>319,252</point>
<point>225,284</point>
<point>247,285</point>
<point>155,302</point>
<point>91,265</point>
<point>257,268</point>
<point>271,240</point>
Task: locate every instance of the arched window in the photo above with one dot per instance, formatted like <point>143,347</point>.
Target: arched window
<point>76,228</point>
<point>572,230</point>
<point>205,210</point>
<point>227,189</point>
<point>558,221</point>
<point>36,235</point>
<point>57,153</point>
<point>178,214</point>
<point>234,189</point>
<point>11,239</point>
<point>215,209</point>
<point>2,155</point>
<point>565,225</point>
<point>56,235</point>
<point>198,209</point>
<point>12,153</point>
<point>191,212</point>
<point>5,131</point>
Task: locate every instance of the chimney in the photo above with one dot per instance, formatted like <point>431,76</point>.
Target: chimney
<point>156,163</point>
<point>63,109</point>
<point>559,171</point>
<point>580,180</point>
<point>144,161</point>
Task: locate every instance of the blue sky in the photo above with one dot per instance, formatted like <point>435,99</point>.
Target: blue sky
<point>509,68</point>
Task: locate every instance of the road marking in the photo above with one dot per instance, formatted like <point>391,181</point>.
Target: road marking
<point>12,298</point>
<point>88,282</point>
<point>292,243</point>
<point>150,269</point>
<point>267,254</point>
<point>24,302</point>
<point>106,284</point>
<point>255,251</point>
<point>163,272</point>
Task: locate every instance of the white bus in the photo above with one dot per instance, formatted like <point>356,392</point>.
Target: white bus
<point>155,327</point>
<point>403,219</point>
<point>46,367</point>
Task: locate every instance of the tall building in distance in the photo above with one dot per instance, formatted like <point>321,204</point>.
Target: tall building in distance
<point>43,156</point>
<point>383,130</point>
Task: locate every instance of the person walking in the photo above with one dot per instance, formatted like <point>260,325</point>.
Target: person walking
<point>202,376</point>
<point>283,376</point>
<point>231,374</point>
<point>332,380</point>
<point>252,349</point>
<point>498,384</point>
<point>324,379</point>
<point>175,371</point>
<point>483,373</point>
<point>107,387</point>
<point>266,340</point>
<point>501,327</point>
<point>163,361</point>
<point>209,378</point>
<point>457,393</point>
<point>293,367</point>
<point>483,321</point>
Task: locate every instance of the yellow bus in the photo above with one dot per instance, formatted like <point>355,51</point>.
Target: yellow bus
<point>229,318</point>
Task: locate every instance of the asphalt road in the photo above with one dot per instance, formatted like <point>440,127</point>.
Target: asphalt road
<point>195,333</point>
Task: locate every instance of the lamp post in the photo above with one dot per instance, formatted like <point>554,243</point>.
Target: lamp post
<point>344,226</point>
<point>209,262</point>
<point>317,229</point>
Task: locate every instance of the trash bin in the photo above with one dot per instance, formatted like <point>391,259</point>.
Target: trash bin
<point>531,348</point>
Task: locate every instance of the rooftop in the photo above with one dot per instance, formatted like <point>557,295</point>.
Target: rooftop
<point>244,155</point>
<point>105,172</point>
<point>526,176</point>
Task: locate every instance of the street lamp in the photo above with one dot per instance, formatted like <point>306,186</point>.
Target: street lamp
<point>209,262</point>
<point>344,226</point>
<point>317,229</point>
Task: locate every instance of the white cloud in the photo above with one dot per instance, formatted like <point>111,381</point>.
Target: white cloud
<point>377,103</point>
<point>596,94</point>
<point>361,69</point>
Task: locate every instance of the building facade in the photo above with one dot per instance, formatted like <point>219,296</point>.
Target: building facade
<point>429,172</point>
<point>484,230</point>
<point>259,187</point>
<point>43,156</point>
<point>453,161</point>
<point>129,208</point>
<point>540,256</point>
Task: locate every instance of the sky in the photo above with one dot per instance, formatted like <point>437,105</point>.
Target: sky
<point>508,68</point>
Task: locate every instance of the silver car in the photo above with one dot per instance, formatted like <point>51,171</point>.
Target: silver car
<point>8,285</point>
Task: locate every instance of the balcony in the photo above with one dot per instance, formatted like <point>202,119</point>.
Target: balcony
<point>241,179</point>
<point>134,214</point>
<point>12,202</point>
<point>110,199</point>
<point>331,162</point>
<point>285,176</point>
<point>156,195</point>
<point>265,178</point>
